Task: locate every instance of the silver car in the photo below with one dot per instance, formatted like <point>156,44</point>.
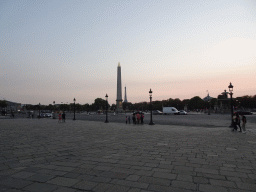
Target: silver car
<point>182,112</point>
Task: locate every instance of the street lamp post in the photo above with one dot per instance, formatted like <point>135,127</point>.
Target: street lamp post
<point>74,108</point>
<point>230,87</point>
<point>39,110</point>
<point>53,109</point>
<point>106,108</point>
<point>150,96</point>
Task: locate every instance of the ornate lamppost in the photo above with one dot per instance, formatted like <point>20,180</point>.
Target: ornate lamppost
<point>150,96</point>
<point>53,109</point>
<point>74,108</point>
<point>230,87</point>
<point>39,110</point>
<point>106,108</point>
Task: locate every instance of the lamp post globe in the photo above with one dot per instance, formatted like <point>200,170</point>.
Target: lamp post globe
<point>230,87</point>
<point>150,97</point>
<point>106,121</point>
<point>74,108</point>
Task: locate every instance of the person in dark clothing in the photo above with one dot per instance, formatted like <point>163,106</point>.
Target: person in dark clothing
<point>141,118</point>
<point>234,122</point>
<point>243,123</point>
<point>63,117</point>
<point>133,119</point>
<point>238,121</point>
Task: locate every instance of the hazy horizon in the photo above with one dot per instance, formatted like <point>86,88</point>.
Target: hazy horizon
<point>58,50</point>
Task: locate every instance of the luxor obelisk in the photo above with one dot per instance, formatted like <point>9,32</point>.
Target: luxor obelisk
<point>119,105</point>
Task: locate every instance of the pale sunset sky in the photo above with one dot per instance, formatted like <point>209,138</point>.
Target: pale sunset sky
<point>61,49</point>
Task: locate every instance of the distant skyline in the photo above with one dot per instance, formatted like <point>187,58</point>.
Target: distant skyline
<point>58,50</point>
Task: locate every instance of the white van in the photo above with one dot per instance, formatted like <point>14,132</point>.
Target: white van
<point>170,110</point>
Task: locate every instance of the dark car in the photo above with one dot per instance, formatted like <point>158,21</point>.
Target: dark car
<point>244,112</point>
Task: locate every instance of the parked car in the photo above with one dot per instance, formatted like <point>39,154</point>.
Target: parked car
<point>48,115</point>
<point>244,112</point>
<point>136,112</point>
<point>157,112</point>
<point>182,112</point>
<point>42,115</point>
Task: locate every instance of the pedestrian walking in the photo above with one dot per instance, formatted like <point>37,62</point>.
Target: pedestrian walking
<point>129,119</point>
<point>238,122</point>
<point>142,117</point>
<point>126,119</point>
<point>59,117</point>
<point>234,123</point>
<point>243,123</point>
<point>133,119</point>
<point>138,118</point>
<point>63,117</point>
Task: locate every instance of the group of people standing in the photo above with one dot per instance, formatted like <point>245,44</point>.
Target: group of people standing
<point>237,122</point>
<point>62,117</point>
<point>136,118</point>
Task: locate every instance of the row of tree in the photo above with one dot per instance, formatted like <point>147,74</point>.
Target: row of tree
<point>191,104</point>
<point>3,104</point>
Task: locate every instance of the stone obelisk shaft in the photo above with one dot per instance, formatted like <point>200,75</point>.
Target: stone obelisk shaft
<point>125,96</point>
<point>119,105</point>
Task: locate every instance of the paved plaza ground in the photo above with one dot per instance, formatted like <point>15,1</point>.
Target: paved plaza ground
<point>44,155</point>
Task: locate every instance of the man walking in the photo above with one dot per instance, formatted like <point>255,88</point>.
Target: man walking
<point>63,117</point>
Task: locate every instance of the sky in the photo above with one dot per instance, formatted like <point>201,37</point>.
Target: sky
<point>65,49</point>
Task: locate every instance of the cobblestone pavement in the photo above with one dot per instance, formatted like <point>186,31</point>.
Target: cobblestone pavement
<point>44,155</point>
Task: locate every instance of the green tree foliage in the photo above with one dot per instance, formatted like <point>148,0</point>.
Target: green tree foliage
<point>196,103</point>
<point>99,104</point>
<point>113,107</point>
<point>3,103</point>
<point>127,106</point>
<point>86,107</point>
<point>177,104</point>
<point>49,107</point>
<point>185,102</point>
<point>65,107</point>
<point>157,105</point>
